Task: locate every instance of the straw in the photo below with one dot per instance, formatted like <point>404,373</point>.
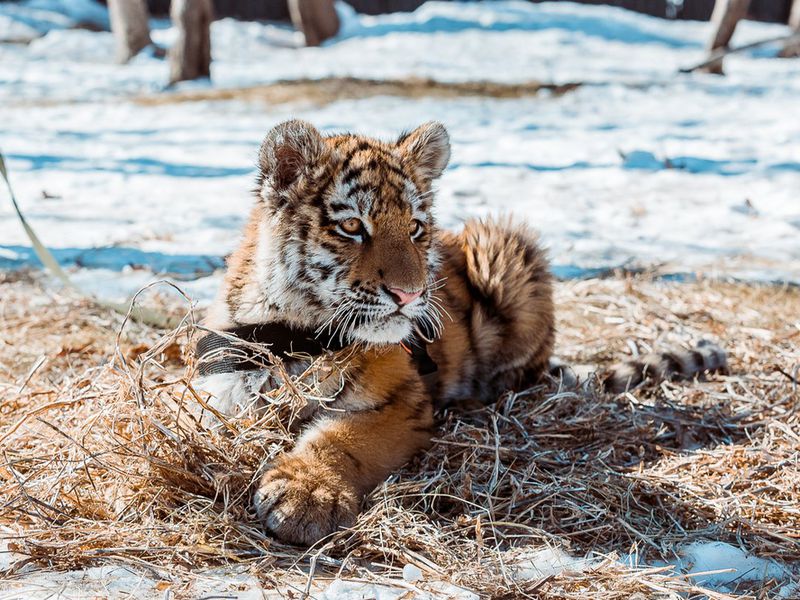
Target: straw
<point>103,459</point>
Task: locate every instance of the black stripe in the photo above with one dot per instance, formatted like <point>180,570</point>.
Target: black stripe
<point>337,206</point>
<point>396,188</point>
<point>674,364</point>
<point>638,369</point>
<point>698,359</point>
<point>284,340</point>
<point>418,411</point>
<point>359,188</point>
<point>383,152</point>
<point>396,170</point>
<point>383,403</point>
<point>486,303</point>
<point>346,162</point>
<point>328,245</point>
<point>350,175</point>
<point>325,270</point>
<point>352,457</point>
<point>326,221</point>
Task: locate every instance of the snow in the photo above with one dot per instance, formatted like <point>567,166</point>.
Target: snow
<point>501,41</point>
<point>639,168</point>
<point>105,582</point>
<point>412,573</point>
<point>167,187</point>
<point>708,557</point>
<point>791,590</point>
<point>546,562</point>
<point>724,567</point>
<point>354,590</point>
<point>28,20</point>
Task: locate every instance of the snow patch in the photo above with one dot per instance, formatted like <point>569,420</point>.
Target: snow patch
<point>789,591</point>
<point>81,45</point>
<point>25,21</point>
<point>78,11</point>
<point>545,562</point>
<point>702,557</point>
<point>721,566</point>
<point>354,590</point>
<point>412,573</point>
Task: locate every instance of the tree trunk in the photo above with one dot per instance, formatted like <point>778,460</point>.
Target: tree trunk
<point>727,14</point>
<point>792,47</point>
<point>130,26</point>
<point>190,56</point>
<point>316,19</point>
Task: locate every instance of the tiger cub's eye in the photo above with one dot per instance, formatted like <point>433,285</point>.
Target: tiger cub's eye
<point>416,228</point>
<point>352,226</point>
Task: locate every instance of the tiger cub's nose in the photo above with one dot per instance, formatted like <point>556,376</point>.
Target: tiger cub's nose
<point>402,297</point>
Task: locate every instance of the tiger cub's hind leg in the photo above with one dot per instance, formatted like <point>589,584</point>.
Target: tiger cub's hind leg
<point>509,306</point>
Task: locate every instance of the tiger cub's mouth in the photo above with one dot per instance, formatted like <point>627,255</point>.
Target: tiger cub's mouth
<point>392,330</point>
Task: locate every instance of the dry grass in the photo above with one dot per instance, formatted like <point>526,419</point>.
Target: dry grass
<point>103,460</point>
<point>331,89</point>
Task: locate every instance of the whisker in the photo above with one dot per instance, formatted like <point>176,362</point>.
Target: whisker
<point>348,323</point>
<point>438,304</point>
<point>437,284</point>
<point>435,323</point>
<point>329,321</point>
<point>339,310</point>
<point>338,330</point>
<point>430,324</point>
<point>341,315</point>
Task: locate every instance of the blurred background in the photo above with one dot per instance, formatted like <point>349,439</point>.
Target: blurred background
<point>130,130</point>
<point>698,10</point>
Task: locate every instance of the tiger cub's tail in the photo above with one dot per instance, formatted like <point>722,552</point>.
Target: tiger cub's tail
<point>650,368</point>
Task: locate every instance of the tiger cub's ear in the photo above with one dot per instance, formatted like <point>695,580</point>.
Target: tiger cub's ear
<point>289,151</point>
<point>426,149</point>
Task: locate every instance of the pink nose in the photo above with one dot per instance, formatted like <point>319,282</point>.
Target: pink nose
<point>403,297</point>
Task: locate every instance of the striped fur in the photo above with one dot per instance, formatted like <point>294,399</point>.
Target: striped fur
<point>339,222</point>
<point>658,366</point>
<point>679,363</point>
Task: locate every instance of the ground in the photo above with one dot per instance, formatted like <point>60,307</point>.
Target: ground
<point>667,202</point>
<point>567,494</point>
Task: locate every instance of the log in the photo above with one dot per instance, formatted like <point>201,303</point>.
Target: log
<point>129,23</point>
<point>190,55</point>
<point>720,53</point>
<point>317,20</point>
<point>792,47</point>
<point>726,15</point>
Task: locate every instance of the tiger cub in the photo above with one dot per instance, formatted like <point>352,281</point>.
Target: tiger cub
<point>341,254</point>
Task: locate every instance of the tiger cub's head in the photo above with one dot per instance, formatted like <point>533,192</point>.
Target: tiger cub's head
<point>352,227</point>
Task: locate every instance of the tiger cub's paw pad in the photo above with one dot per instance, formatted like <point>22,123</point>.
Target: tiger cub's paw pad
<point>301,504</point>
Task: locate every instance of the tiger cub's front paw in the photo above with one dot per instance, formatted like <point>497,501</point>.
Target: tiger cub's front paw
<point>302,501</point>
